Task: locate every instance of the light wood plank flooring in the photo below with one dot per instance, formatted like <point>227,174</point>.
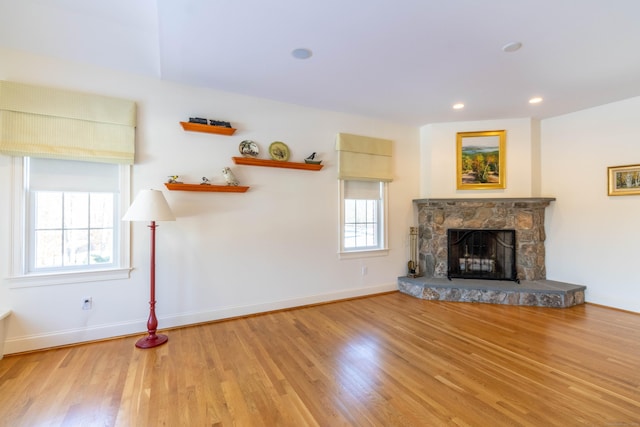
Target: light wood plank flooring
<point>385,360</point>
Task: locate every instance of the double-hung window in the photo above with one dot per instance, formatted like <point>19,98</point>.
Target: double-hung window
<point>363,216</point>
<point>71,228</point>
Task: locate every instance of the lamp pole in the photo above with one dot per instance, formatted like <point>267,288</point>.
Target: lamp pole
<point>153,339</point>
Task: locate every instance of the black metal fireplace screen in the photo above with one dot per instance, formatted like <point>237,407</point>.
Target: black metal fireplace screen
<point>482,254</point>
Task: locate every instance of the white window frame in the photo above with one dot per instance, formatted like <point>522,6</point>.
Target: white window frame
<point>19,277</point>
<point>383,225</point>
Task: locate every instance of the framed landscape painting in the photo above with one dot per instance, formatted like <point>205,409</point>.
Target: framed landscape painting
<point>481,160</point>
<point>624,180</point>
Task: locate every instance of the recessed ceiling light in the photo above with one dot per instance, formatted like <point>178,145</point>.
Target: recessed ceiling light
<point>535,100</point>
<point>458,106</point>
<point>511,47</point>
<point>301,53</point>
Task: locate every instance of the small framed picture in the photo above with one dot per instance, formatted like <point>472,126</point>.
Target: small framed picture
<point>481,160</point>
<point>624,180</point>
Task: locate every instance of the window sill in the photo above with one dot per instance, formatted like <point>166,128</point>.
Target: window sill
<point>363,254</point>
<point>34,280</point>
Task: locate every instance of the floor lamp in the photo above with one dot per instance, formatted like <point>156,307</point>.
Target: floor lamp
<point>150,205</point>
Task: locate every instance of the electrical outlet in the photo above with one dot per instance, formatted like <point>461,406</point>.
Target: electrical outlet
<point>365,270</point>
<point>87,303</point>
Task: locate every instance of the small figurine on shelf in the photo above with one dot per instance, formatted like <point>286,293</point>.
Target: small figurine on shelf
<point>205,181</point>
<point>220,123</point>
<point>173,179</point>
<point>310,160</point>
<point>229,177</point>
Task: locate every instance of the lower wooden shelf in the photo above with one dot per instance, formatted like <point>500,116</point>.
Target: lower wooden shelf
<point>206,187</point>
<point>275,163</point>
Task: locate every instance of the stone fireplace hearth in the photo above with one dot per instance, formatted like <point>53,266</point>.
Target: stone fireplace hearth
<point>524,215</point>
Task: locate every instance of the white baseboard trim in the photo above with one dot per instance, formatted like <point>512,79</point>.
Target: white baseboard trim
<point>100,332</point>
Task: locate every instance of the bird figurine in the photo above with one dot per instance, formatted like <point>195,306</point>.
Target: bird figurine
<point>310,160</point>
<point>229,176</point>
<point>173,179</point>
<point>205,181</point>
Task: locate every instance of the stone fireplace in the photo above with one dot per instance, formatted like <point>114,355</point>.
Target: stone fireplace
<point>524,215</point>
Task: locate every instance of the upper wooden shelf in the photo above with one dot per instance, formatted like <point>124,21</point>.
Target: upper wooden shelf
<point>275,163</point>
<point>206,187</point>
<point>197,127</point>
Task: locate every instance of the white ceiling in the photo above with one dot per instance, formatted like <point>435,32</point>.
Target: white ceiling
<point>406,61</point>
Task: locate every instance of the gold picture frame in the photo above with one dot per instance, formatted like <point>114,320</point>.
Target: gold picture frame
<point>624,180</point>
<point>481,160</point>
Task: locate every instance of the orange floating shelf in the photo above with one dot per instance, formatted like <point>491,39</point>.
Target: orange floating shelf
<point>197,127</point>
<point>206,187</point>
<point>250,161</point>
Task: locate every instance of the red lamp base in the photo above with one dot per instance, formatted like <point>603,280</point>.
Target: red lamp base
<point>151,341</point>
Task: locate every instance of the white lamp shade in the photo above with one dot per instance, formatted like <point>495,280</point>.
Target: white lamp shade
<point>149,205</point>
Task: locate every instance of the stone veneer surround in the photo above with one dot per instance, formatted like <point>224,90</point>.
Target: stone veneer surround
<point>524,215</point>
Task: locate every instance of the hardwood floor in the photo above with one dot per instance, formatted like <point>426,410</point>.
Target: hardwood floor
<point>385,360</point>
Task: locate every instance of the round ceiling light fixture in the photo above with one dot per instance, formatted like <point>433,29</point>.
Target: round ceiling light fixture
<point>535,100</point>
<point>511,47</point>
<point>458,106</point>
<point>301,53</point>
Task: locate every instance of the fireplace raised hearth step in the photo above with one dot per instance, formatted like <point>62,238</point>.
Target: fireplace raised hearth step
<point>539,293</point>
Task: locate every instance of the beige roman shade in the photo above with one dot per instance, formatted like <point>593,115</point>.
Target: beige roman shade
<point>45,122</point>
<point>364,158</point>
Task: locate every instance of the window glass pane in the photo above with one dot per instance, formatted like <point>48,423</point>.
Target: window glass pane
<point>349,211</point>
<point>76,247</point>
<point>361,210</point>
<point>68,215</point>
<point>349,236</point>
<point>101,208</point>
<point>371,210</point>
<point>76,210</point>
<point>48,249</point>
<point>361,235</point>
<point>48,207</point>
<point>101,246</point>
<point>373,235</point>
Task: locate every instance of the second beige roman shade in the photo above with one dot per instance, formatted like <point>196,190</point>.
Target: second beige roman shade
<point>364,158</point>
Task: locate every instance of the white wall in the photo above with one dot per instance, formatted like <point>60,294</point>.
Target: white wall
<point>438,155</point>
<point>592,237</point>
<point>228,254</point>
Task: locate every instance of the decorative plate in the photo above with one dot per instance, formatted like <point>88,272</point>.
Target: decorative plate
<point>279,151</point>
<point>248,148</point>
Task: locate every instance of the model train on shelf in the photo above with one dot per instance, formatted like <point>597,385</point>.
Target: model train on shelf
<point>203,121</point>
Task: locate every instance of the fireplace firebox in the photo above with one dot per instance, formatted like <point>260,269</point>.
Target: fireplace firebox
<point>482,254</point>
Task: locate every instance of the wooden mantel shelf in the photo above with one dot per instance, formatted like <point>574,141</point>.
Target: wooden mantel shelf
<point>206,187</point>
<point>197,127</point>
<point>275,163</point>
